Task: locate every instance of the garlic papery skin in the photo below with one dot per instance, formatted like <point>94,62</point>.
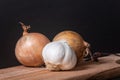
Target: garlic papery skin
<point>58,55</point>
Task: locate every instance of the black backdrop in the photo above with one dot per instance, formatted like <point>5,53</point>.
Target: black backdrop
<point>96,20</point>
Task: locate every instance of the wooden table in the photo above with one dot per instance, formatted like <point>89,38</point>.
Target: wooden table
<point>104,69</point>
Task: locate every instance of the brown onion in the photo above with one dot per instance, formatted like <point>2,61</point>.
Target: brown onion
<point>29,47</point>
<point>75,41</point>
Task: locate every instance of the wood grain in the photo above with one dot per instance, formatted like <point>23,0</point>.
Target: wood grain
<point>103,69</point>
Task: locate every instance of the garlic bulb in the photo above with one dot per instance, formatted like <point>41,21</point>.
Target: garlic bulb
<point>58,55</point>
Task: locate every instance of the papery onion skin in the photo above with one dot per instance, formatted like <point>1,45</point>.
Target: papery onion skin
<point>28,50</point>
<point>75,41</point>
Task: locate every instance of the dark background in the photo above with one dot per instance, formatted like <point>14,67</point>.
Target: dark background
<point>96,20</point>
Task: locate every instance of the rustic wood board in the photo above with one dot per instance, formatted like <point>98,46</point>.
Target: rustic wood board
<point>84,71</point>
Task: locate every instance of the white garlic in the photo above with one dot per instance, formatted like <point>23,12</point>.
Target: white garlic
<point>58,55</point>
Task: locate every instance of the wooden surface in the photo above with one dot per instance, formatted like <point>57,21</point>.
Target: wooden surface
<point>104,69</point>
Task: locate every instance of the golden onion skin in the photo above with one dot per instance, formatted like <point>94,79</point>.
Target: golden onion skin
<point>28,50</point>
<point>74,40</point>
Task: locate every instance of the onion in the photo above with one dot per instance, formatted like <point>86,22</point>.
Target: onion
<point>75,41</point>
<point>28,50</point>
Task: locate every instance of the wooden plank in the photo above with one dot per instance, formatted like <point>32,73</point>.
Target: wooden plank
<point>83,71</point>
